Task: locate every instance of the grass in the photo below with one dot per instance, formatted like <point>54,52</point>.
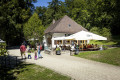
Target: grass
<point>110,56</point>
<point>115,40</point>
<point>103,42</point>
<point>34,72</point>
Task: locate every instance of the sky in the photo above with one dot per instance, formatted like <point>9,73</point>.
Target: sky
<point>43,3</point>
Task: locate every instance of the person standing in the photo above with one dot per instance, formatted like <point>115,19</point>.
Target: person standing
<point>29,54</point>
<point>35,57</point>
<point>39,48</point>
<point>22,50</point>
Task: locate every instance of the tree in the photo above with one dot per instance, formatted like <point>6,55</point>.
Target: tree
<point>41,12</point>
<point>103,32</point>
<point>56,9</point>
<point>13,13</point>
<point>34,28</point>
<point>95,30</point>
<point>106,33</point>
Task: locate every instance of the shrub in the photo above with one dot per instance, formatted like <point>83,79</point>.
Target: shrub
<point>2,48</point>
<point>57,49</point>
<point>103,32</point>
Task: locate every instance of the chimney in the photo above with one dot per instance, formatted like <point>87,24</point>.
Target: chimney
<point>53,21</point>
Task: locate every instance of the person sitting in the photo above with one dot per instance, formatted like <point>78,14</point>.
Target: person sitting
<point>64,47</point>
<point>90,46</point>
<point>84,47</point>
<point>80,47</point>
<point>95,46</point>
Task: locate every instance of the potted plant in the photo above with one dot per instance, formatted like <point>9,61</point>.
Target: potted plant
<point>58,51</point>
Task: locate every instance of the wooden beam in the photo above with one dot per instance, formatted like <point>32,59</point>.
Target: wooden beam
<point>77,42</point>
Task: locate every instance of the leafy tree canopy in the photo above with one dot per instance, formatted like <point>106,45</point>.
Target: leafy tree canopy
<point>34,28</point>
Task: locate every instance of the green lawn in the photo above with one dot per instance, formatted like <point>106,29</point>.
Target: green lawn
<point>34,72</point>
<point>110,56</point>
<point>103,42</point>
<point>115,40</point>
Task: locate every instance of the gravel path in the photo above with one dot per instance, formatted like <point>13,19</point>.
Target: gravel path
<point>76,68</point>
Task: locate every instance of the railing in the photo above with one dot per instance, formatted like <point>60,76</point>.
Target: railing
<point>8,62</point>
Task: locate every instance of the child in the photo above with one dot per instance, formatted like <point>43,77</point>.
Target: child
<point>35,55</point>
<point>29,54</point>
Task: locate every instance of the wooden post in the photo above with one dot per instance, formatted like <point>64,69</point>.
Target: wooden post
<point>82,44</point>
<point>62,42</point>
<point>77,42</point>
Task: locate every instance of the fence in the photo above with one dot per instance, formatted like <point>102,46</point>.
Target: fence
<point>8,62</point>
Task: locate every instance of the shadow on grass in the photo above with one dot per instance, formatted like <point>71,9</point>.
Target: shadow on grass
<point>10,69</point>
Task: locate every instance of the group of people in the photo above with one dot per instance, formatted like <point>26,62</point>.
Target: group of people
<point>78,47</point>
<point>37,53</point>
<point>87,46</point>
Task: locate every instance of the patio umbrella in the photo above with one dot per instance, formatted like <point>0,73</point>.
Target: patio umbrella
<point>1,41</point>
<point>84,35</point>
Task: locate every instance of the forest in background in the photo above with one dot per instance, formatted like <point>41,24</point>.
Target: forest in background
<point>20,20</point>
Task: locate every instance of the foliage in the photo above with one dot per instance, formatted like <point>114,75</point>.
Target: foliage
<point>110,56</point>
<point>103,32</point>
<point>13,13</point>
<point>95,30</point>
<point>99,16</point>
<point>3,49</point>
<point>91,13</point>
<point>57,49</point>
<point>103,42</point>
<point>106,33</point>
<point>41,12</point>
<point>32,44</point>
<point>55,10</point>
<point>116,39</point>
<point>34,28</point>
<point>105,47</point>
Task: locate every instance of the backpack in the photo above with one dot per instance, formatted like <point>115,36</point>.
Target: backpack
<point>40,47</point>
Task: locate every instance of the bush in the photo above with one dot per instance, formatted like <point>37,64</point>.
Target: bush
<point>57,49</point>
<point>2,48</point>
<point>103,32</point>
<point>32,43</point>
<point>95,30</point>
<point>105,47</point>
<point>106,33</point>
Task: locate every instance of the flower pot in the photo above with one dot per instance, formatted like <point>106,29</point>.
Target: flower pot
<point>58,52</point>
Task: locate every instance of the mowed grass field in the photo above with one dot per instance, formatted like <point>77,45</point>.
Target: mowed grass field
<point>32,72</point>
<point>110,56</point>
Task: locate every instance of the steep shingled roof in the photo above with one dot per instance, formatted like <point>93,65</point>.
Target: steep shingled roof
<point>65,25</point>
